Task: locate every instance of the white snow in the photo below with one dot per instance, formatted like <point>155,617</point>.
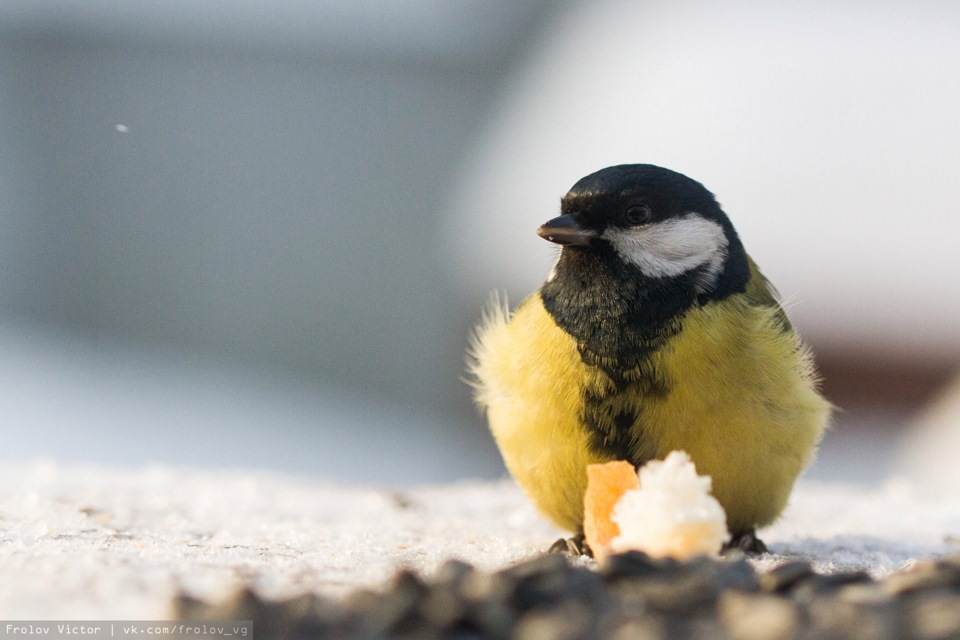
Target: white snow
<point>89,542</point>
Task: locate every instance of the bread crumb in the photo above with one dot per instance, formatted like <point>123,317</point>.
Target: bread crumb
<point>606,484</point>
<point>671,513</point>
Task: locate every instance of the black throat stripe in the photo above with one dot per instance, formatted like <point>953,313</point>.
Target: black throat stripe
<point>618,318</point>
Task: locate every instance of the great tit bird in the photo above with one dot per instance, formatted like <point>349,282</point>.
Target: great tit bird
<point>654,331</point>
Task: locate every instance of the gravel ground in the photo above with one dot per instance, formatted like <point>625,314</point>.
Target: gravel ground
<point>629,596</point>
<point>156,543</point>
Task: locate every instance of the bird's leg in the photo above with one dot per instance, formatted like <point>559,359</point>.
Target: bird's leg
<point>575,546</point>
<point>747,542</point>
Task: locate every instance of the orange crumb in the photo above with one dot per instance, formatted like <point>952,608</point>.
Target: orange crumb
<point>606,483</point>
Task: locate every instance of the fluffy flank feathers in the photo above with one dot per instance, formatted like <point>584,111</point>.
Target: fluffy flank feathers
<point>495,317</point>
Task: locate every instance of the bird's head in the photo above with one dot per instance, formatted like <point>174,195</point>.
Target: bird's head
<point>654,221</point>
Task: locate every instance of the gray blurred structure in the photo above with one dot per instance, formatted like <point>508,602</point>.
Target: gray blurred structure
<point>259,181</point>
<point>276,222</point>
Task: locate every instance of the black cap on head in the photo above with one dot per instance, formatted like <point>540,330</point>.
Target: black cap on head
<point>602,198</point>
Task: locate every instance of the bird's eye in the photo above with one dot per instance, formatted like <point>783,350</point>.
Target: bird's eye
<point>637,214</point>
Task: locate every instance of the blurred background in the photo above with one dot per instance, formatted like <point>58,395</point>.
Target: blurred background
<point>245,234</point>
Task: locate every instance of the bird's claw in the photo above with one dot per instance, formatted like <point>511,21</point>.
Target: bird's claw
<point>746,542</point>
<point>575,546</point>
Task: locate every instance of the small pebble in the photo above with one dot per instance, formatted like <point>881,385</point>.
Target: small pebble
<point>924,575</point>
<point>785,576</point>
<point>758,616</point>
<point>934,616</point>
<point>635,564</point>
<point>568,621</point>
<point>815,584</point>
<point>864,593</point>
<point>829,617</point>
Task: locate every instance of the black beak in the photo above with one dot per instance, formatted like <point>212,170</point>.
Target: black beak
<point>564,230</point>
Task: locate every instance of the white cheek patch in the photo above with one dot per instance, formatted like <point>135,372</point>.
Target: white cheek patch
<point>673,247</point>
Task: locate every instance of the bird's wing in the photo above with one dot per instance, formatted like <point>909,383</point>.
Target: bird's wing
<point>761,292</point>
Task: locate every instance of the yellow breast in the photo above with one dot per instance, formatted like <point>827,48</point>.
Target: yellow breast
<point>741,400</point>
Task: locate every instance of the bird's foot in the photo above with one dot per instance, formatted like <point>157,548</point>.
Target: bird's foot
<point>746,542</point>
<point>575,546</point>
